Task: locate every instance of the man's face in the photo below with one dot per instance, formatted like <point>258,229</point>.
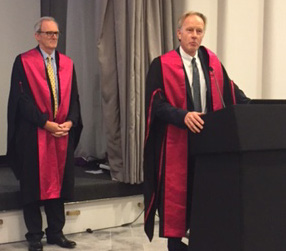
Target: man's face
<point>48,42</point>
<point>191,34</point>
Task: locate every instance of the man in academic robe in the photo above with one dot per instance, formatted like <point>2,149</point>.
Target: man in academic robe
<point>181,86</point>
<point>44,125</point>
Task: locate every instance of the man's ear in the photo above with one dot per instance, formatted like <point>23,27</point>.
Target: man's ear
<point>179,34</point>
<point>37,36</point>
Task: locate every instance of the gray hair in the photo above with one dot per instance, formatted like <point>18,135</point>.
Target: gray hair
<point>38,24</point>
<point>191,13</point>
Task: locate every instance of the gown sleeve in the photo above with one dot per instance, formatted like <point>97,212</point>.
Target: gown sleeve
<point>22,111</point>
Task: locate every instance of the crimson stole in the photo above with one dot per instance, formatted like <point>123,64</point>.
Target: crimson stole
<point>52,151</point>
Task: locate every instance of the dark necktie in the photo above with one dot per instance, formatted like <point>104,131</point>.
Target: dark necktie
<point>196,87</point>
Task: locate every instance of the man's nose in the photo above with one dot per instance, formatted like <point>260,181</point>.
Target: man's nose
<point>194,34</point>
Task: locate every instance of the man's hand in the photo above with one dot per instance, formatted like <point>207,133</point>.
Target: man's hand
<point>65,127</point>
<point>194,121</point>
<point>52,127</point>
<point>58,130</point>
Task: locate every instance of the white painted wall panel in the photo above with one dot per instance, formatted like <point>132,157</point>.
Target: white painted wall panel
<point>17,18</point>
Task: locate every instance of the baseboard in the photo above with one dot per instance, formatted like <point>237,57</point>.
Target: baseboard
<point>3,161</point>
<point>80,217</point>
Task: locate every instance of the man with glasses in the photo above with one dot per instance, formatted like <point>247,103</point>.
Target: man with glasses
<point>44,126</point>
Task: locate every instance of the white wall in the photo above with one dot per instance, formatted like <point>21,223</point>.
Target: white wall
<point>17,18</point>
<point>240,39</point>
<point>274,53</point>
<point>249,38</point>
<point>234,32</point>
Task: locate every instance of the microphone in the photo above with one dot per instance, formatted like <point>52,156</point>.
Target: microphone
<point>216,84</point>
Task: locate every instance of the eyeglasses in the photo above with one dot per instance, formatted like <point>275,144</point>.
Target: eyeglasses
<point>50,33</point>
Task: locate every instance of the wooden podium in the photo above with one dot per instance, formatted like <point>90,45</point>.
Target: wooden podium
<point>239,192</point>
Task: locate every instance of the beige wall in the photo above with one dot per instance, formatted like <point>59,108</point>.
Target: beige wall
<point>240,42</point>
<point>274,53</point>
<point>235,32</point>
<point>17,18</point>
<point>249,38</point>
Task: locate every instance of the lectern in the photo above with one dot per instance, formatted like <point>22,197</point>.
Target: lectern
<point>239,191</point>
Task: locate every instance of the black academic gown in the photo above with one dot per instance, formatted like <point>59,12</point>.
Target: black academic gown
<point>160,114</point>
<point>24,118</point>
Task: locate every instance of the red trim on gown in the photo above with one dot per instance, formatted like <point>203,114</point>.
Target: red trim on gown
<point>175,196</point>
<point>176,162</point>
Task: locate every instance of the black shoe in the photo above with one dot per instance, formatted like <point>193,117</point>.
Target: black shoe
<point>61,241</point>
<point>183,247</point>
<point>176,244</point>
<point>35,246</point>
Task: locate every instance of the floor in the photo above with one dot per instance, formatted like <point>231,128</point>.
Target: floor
<point>129,238</point>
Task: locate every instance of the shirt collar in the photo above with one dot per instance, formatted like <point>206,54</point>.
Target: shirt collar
<point>187,57</point>
<point>45,55</point>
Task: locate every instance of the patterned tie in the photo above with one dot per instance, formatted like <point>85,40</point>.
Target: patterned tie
<point>53,84</point>
<point>196,87</point>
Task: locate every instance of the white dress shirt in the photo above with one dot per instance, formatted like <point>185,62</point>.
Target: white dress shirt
<point>187,61</point>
